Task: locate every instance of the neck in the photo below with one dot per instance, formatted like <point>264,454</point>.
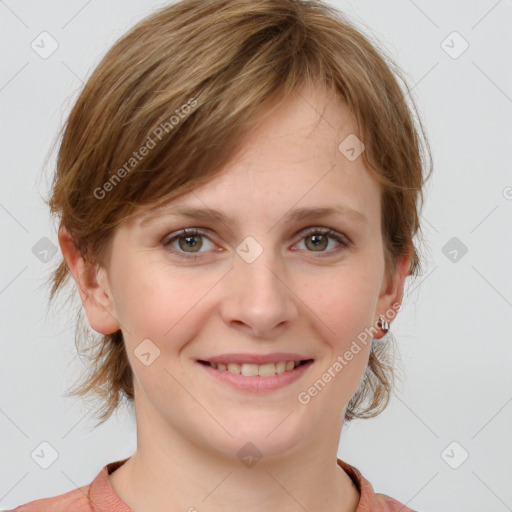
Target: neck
<point>172,471</point>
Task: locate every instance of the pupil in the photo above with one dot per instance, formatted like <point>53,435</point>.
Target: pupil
<point>318,241</point>
<point>190,242</point>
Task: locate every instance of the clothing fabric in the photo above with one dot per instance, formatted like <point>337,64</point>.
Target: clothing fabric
<point>99,496</point>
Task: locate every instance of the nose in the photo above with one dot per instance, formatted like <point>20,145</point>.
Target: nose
<point>257,298</point>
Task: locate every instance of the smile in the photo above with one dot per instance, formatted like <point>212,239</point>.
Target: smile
<point>251,370</point>
<point>256,378</point>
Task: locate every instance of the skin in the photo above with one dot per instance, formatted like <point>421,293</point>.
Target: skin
<point>293,298</point>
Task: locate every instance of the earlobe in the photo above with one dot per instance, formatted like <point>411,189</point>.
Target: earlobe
<point>92,284</point>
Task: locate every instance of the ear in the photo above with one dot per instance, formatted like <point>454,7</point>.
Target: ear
<point>391,294</point>
<point>92,283</point>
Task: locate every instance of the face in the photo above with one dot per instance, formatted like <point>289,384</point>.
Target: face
<point>263,284</point>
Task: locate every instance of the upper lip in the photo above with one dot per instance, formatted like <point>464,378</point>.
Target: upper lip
<point>255,358</point>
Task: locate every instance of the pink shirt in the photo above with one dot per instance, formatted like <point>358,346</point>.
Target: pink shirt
<point>99,496</point>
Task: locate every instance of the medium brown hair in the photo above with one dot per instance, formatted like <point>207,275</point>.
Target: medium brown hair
<point>189,83</point>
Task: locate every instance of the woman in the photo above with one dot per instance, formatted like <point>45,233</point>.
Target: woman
<point>238,188</point>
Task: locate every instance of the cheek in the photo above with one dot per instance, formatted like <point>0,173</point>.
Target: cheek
<point>344,302</point>
<point>162,304</point>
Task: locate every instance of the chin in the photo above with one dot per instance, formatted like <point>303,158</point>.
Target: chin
<point>265,434</point>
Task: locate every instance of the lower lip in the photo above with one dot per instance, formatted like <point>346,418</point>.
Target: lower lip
<point>255,383</point>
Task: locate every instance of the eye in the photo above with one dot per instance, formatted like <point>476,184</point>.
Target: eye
<point>316,239</point>
<point>189,242</point>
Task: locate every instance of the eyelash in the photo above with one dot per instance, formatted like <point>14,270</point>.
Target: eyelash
<point>343,241</point>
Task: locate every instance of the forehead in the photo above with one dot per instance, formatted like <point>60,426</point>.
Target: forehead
<point>290,164</point>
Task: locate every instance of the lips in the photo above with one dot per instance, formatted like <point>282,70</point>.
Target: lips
<point>255,378</point>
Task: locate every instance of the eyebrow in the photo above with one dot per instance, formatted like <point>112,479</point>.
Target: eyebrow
<point>297,215</point>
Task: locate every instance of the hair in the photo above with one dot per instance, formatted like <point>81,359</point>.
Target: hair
<point>189,83</point>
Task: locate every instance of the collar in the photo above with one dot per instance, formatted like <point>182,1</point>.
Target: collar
<point>105,499</point>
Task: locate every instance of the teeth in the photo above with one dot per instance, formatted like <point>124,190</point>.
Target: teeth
<point>249,370</point>
<point>263,370</point>
<point>267,370</point>
<point>234,368</point>
<point>280,367</point>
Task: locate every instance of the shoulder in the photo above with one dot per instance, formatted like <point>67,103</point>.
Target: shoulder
<point>98,496</point>
<point>370,501</point>
<point>385,503</point>
<point>76,500</point>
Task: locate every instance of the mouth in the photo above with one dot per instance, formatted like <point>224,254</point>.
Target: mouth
<point>270,369</point>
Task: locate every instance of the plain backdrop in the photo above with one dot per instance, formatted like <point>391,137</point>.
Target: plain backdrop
<point>444,442</point>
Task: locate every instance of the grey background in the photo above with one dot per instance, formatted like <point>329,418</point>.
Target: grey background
<point>453,331</point>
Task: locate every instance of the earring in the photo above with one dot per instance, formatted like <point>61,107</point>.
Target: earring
<point>383,324</point>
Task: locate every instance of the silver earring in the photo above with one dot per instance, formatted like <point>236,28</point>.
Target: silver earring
<point>383,324</point>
